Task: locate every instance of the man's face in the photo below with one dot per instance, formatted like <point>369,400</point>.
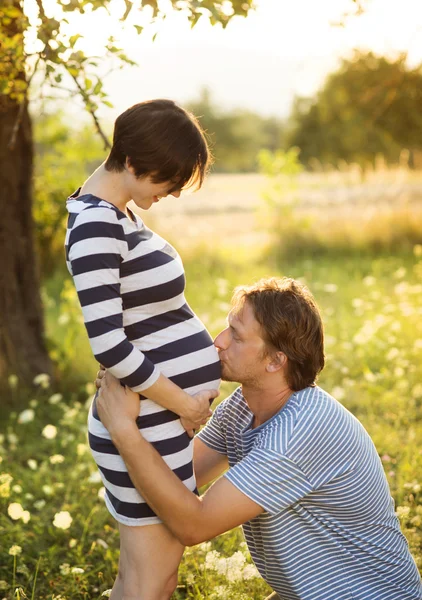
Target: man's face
<point>241,348</point>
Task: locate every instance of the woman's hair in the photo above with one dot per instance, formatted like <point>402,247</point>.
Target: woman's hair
<point>290,322</point>
<point>162,140</point>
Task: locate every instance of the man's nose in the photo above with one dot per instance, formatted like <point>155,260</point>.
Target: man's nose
<point>221,340</point>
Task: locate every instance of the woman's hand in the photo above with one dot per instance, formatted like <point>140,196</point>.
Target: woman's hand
<point>198,411</point>
<point>118,407</point>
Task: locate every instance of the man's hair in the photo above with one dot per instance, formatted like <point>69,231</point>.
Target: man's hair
<point>290,322</point>
<point>160,139</point>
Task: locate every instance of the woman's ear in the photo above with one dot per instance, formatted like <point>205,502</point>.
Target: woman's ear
<point>277,361</point>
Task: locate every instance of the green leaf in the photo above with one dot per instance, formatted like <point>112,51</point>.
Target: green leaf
<point>73,39</point>
<point>139,29</point>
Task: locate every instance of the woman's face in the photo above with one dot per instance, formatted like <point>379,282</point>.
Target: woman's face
<point>144,192</point>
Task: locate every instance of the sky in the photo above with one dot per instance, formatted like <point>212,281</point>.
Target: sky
<point>260,63</point>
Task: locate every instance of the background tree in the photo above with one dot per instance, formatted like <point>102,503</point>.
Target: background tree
<point>60,65</point>
<point>236,136</point>
<point>370,106</point>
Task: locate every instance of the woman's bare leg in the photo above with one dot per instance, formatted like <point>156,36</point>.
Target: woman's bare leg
<point>149,559</point>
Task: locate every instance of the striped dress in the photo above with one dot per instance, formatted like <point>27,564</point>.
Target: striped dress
<point>329,531</point>
<point>130,284</point>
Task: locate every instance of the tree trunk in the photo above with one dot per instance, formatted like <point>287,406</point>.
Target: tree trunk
<point>22,347</point>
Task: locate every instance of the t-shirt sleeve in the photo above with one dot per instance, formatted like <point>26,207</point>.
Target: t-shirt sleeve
<point>95,250</point>
<point>270,479</point>
<point>214,434</point>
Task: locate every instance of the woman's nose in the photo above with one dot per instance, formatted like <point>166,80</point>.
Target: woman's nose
<point>176,194</point>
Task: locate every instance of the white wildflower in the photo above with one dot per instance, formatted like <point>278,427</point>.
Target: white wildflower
<point>47,489</point>
<point>64,569</point>
<point>339,393</point>
<point>369,280</point>
<point>95,477</point>
<point>26,416</point>
<point>15,511</point>
<point>55,399</point>
<point>5,481</point>
<point>56,459</point>
<point>15,550</point>
<point>12,438</point>
<point>72,543</point>
<point>39,504</point>
<point>43,380</point>
<point>62,520</point>
<point>49,432</point>
<point>26,516</point>
<point>101,493</point>
<point>393,354</point>
<point>32,464</point>
<point>17,489</point>
<point>403,512</point>
<point>250,572</point>
<point>77,570</point>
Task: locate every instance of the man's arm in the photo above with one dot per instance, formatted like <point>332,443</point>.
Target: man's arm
<point>207,463</point>
<point>191,519</point>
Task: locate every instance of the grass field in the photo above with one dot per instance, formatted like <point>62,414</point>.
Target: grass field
<point>58,542</point>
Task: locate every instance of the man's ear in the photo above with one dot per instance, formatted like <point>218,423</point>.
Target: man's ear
<point>278,361</point>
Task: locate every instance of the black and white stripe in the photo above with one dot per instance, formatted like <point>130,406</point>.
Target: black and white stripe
<point>329,531</point>
<point>130,284</point>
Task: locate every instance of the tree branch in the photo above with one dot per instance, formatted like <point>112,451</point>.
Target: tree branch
<point>91,111</point>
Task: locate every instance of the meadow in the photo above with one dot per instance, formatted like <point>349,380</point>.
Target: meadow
<point>58,541</point>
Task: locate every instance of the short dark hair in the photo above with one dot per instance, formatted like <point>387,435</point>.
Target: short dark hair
<point>162,140</point>
<point>291,323</point>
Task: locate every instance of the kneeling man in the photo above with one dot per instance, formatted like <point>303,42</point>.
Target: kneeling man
<point>304,478</point>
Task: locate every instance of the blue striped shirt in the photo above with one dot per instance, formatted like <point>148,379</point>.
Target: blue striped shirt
<point>329,530</point>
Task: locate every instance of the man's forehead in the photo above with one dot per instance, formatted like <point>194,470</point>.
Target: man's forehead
<point>243,315</point>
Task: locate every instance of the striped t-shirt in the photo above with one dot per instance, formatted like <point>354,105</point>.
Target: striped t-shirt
<point>130,284</point>
<point>329,531</point>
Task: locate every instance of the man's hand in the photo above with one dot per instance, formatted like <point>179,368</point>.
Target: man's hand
<point>118,407</point>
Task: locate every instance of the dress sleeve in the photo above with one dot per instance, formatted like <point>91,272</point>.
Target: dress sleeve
<point>270,479</point>
<point>95,250</point>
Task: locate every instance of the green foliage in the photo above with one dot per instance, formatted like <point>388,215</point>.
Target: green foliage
<point>236,136</point>
<point>279,212</point>
<point>371,311</point>
<point>297,232</point>
<point>64,158</point>
<point>60,59</point>
<point>370,106</point>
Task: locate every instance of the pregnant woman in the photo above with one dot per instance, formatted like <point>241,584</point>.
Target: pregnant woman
<point>130,284</point>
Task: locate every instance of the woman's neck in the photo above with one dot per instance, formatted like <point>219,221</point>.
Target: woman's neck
<point>107,185</point>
